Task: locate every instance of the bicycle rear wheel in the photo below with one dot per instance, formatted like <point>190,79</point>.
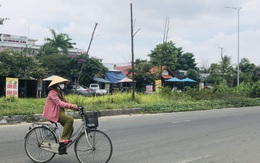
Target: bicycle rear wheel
<point>98,150</point>
<point>33,141</point>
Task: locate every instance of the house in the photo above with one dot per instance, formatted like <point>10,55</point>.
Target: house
<point>124,69</point>
<point>165,73</point>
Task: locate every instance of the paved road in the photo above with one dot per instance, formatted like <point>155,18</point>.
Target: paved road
<point>216,136</point>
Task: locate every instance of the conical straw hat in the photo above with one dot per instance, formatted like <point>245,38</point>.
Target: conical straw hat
<point>58,80</point>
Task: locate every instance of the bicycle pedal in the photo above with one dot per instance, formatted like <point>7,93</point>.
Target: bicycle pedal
<point>62,150</point>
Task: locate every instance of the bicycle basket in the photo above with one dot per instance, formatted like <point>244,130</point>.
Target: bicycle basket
<point>91,119</point>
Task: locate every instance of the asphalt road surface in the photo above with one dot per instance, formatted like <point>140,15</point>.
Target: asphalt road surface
<point>214,136</point>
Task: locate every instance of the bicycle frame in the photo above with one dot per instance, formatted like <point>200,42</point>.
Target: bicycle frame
<point>80,130</point>
<point>55,130</point>
<point>42,142</point>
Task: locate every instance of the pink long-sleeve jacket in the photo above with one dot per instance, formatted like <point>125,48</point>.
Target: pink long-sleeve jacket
<point>53,105</point>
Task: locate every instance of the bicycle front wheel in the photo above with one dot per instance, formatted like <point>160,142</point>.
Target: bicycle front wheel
<point>33,141</point>
<point>96,147</point>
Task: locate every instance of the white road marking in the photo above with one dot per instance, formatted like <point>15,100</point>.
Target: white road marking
<point>181,121</point>
<point>193,159</point>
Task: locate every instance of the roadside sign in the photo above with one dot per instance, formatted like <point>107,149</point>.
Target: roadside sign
<point>11,87</point>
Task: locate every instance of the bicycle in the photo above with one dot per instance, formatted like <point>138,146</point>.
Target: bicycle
<point>91,145</point>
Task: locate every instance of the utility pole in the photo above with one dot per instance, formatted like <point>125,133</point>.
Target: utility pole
<point>238,10</point>
<point>83,64</point>
<point>166,29</point>
<point>222,60</point>
<point>90,42</point>
<point>132,50</point>
<point>165,39</point>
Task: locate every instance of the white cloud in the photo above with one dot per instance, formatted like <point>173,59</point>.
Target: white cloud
<point>199,26</point>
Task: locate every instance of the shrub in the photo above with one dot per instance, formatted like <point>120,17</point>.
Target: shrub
<point>10,99</point>
<point>256,89</point>
<point>244,89</point>
<point>165,91</point>
<point>221,87</point>
<point>196,94</point>
<point>165,101</point>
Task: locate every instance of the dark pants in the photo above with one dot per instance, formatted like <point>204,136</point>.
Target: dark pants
<point>67,123</point>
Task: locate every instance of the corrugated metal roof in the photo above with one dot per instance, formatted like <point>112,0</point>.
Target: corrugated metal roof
<point>167,76</point>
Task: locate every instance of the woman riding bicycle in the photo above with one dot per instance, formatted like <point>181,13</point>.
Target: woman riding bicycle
<point>54,109</point>
<point>42,140</point>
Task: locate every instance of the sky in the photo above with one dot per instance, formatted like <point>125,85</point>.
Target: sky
<point>201,27</point>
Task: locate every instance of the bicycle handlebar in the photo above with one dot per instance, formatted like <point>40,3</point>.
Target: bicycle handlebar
<point>81,110</point>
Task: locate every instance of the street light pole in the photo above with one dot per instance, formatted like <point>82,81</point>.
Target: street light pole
<point>238,9</point>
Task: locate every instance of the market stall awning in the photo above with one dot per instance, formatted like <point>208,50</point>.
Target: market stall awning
<point>125,80</point>
<point>174,80</point>
<point>188,80</point>
<point>49,78</point>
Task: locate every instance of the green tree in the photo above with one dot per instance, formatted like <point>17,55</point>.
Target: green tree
<point>225,65</point>
<point>59,43</point>
<point>143,74</point>
<point>215,77</point>
<point>214,68</point>
<point>57,64</point>
<point>222,72</point>
<point>165,54</point>
<point>193,74</point>
<point>246,70</point>
<point>91,67</point>
<point>19,64</point>
<point>246,66</point>
<point>186,61</point>
<point>70,66</point>
<point>227,71</point>
<point>54,56</point>
<point>256,74</point>
<point>256,89</point>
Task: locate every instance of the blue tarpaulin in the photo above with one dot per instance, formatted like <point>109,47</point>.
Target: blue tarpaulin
<point>100,80</point>
<point>174,80</point>
<point>114,76</point>
<point>180,80</point>
<point>188,80</point>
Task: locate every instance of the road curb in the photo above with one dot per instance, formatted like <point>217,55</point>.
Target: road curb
<point>38,117</point>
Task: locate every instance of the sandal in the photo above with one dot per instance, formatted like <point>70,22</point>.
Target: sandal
<point>65,142</point>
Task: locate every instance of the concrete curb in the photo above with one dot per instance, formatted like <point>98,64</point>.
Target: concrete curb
<point>38,117</point>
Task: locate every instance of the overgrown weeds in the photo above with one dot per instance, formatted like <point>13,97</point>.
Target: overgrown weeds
<point>163,101</point>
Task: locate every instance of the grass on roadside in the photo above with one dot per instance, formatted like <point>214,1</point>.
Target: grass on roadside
<point>154,103</point>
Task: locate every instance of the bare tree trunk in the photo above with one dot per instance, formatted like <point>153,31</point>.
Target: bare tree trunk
<point>132,49</point>
<point>83,64</point>
<point>166,29</point>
